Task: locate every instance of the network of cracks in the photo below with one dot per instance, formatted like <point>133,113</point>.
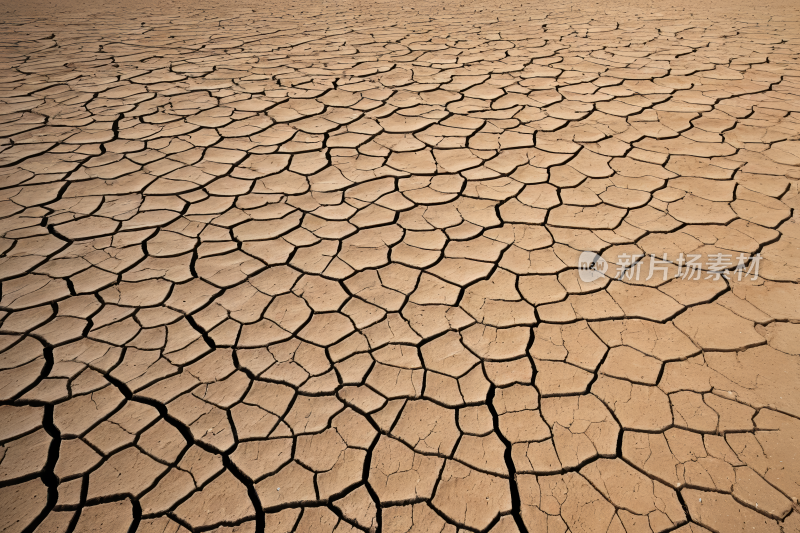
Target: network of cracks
<point>314,268</point>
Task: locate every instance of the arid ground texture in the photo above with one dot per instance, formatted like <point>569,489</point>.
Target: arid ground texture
<point>399,267</point>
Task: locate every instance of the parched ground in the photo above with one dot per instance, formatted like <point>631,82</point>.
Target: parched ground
<point>313,267</point>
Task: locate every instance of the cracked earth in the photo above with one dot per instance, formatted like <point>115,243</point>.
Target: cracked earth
<point>314,268</point>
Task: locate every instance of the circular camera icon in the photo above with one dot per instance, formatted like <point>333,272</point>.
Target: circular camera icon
<point>591,266</point>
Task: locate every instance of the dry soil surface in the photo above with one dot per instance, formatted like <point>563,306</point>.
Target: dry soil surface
<point>313,267</point>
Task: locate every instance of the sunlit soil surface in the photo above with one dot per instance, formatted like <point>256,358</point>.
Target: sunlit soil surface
<point>316,267</point>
